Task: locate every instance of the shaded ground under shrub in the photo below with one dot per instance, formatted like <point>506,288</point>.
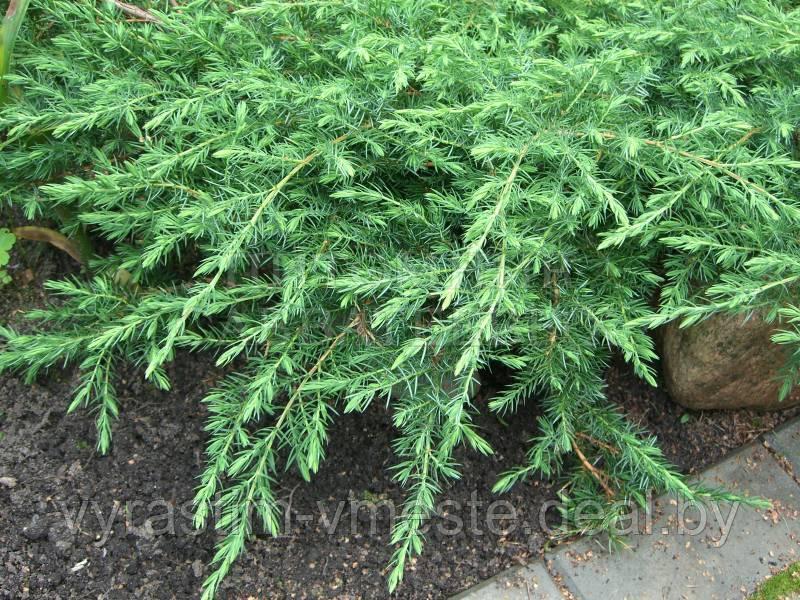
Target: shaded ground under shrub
<point>51,469</point>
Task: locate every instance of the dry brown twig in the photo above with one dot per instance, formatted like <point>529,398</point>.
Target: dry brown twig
<point>593,470</point>
<point>598,443</point>
<point>136,12</point>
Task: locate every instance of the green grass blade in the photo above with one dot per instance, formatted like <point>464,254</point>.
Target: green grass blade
<point>11,24</point>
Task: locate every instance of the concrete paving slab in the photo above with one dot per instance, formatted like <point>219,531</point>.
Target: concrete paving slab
<point>720,553</point>
<point>786,441</point>
<point>531,582</point>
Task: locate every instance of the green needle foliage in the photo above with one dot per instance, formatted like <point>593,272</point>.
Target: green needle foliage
<point>368,201</point>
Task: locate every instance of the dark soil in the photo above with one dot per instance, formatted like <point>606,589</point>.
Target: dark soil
<point>77,525</point>
<point>690,440</point>
<point>74,524</point>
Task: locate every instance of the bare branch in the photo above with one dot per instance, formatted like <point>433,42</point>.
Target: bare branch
<point>136,11</point>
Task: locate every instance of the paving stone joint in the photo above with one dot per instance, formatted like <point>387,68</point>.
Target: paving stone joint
<point>680,551</point>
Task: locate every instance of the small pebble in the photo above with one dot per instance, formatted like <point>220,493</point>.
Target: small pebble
<point>197,568</point>
<point>36,529</point>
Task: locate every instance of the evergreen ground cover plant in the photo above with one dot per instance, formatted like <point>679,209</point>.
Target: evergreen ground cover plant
<point>356,202</point>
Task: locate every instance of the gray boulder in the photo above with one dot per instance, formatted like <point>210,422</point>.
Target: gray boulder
<point>724,362</point>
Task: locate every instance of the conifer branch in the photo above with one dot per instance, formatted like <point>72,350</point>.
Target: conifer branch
<point>232,545</point>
